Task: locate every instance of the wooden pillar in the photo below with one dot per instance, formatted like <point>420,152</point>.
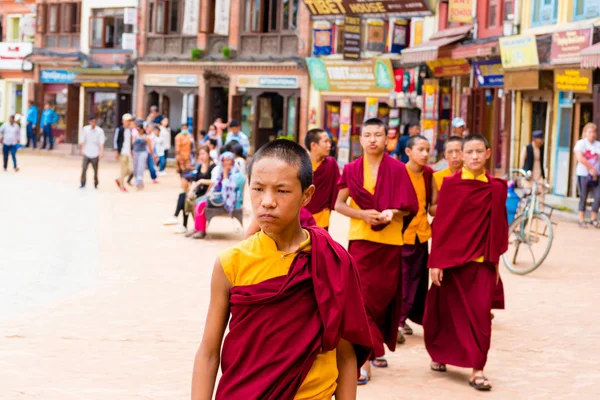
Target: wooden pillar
<point>254,133</point>
<point>285,114</point>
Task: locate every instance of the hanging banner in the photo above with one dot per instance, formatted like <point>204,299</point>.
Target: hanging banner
<point>460,11</point>
<point>376,35</point>
<point>372,108</point>
<point>519,51</point>
<point>567,45</point>
<point>430,106</point>
<point>346,111</point>
<point>190,16</point>
<point>322,38</point>
<point>404,8</point>
<point>488,73</point>
<point>399,36</point>
<point>352,37</point>
<point>373,76</point>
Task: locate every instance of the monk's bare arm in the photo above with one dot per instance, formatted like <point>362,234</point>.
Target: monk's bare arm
<point>341,205</point>
<point>346,363</point>
<point>434,199</point>
<point>208,356</point>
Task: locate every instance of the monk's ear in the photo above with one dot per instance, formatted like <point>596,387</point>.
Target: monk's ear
<point>488,154</point>
<point>307,195</point>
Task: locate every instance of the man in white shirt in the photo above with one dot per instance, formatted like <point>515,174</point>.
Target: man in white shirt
<point>92,147</point>
<point>122,146</point>
<point>237,135</point>
<point>10,137</point>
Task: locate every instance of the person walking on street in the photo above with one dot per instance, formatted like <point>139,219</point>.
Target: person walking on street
<point>32,119</point>
<point>587,151</point>
<point>49,118</point>
<point>165,139</point>
<point>183,150</point>
<point>122,146</point>
<point>154,117</point>
<point>152,131</point>
<point>10,137</point>
<point>142,150</point>
<point>92,147</point>
<point>237,135</point>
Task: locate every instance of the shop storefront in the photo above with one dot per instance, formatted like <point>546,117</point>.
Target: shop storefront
<point>105,93</point>
<point>16,80</point>
<point>59,90</point>
<point>175,95</point>
<point>346,93</point>
<point>268,107</point>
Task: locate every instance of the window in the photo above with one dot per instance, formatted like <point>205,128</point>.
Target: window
<point>508,10</point>
<point>13,30</point>
<point>53,18</point>
<point>265,16</point>
<point>40,18</point>
<point>544,12</point>
<point>70,13</point>
<point>492,13</point>
<point>586,9</point>
<point>165,16</point>
<point>107,27</point>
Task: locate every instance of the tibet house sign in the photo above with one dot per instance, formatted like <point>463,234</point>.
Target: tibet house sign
<point>365,7</point>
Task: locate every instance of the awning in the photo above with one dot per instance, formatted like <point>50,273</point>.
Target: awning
<point>473,50</point>
<point>590,57</point>
<point>437,47</point>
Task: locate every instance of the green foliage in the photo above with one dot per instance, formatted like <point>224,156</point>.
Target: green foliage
<point>197,53</point>
<point>226,52</point>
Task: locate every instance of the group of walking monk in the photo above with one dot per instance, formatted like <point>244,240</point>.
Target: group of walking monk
<point>306,316</point>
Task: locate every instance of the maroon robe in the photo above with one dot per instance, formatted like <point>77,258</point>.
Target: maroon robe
<point>470,222</point>
<point>306,218</point>
<point>381,277</point>
<point>325,179</point>
<point>279,326</point>
<point>415,276</point>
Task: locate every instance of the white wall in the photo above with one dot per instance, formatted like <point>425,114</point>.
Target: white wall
<point>86,12</point>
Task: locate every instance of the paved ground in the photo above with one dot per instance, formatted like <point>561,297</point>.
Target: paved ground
<point>99,301</point>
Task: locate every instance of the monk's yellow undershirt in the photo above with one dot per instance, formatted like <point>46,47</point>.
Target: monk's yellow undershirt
<point>360,230</point>
<point>257,259</point>
<point>468,175</point>
<point>419,225</point>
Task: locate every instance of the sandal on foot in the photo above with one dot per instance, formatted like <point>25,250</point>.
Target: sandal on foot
<point>480,383</point>
<point>400,339</point>
<point>595,224</point>
<point>437,367</point>
<point>406,329</point>
<point>379,362</point>
<point>583,224</point>
<point>363,379</point>
<point>199,235</point>
<point>191,233</point>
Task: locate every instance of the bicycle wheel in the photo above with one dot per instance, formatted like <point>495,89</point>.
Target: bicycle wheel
<point>529,243</point>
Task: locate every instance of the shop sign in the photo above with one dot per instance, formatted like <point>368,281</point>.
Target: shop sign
<point>519,51</point>
<point>171,80</point>
<point>573,80</point>
<point>567,45</point>
<point>274,81</point>
<point>460,11</point>
<point>57,76</point>
<point>352,37</point>
<point>488,73</point>
<point>114,85</point>
<point>449,67</point>
<point>405,8</point>
<point>13,54</point>
<point>521,80</point>
<point>375,75</point>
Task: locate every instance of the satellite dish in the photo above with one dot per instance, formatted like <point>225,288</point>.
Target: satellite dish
<point>28,25</point>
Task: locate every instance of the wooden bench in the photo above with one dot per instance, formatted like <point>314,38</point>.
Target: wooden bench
<point>212,212</point>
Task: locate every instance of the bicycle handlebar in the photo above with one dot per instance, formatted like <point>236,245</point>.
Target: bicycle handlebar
<point>527,175</point>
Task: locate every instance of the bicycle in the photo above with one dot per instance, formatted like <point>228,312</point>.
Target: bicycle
<point>532,228</point>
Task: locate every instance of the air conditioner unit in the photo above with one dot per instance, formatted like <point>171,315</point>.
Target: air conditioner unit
<point>508,28</point>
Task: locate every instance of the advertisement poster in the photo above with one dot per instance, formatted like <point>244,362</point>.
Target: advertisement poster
<point>430,100</point>
<point>372,76</point>
<point>519,51</point>
<point>460,11</point>
<point>488,73</point>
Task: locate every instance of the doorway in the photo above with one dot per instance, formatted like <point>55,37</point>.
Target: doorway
<point>219,104</point>
<point>270,118</point>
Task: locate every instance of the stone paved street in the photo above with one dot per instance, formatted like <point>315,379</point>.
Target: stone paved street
<point>99,301</point>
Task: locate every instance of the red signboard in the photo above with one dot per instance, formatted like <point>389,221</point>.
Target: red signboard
<point>405,8</point>
<point>566,45</point>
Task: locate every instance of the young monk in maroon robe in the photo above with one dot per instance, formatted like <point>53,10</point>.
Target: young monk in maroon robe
<point>381,195</point>
<point>415,252</point>
<point>326,175</point>
<point>453,154</point>
<point>470,232</point>
<point>298,327</point>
